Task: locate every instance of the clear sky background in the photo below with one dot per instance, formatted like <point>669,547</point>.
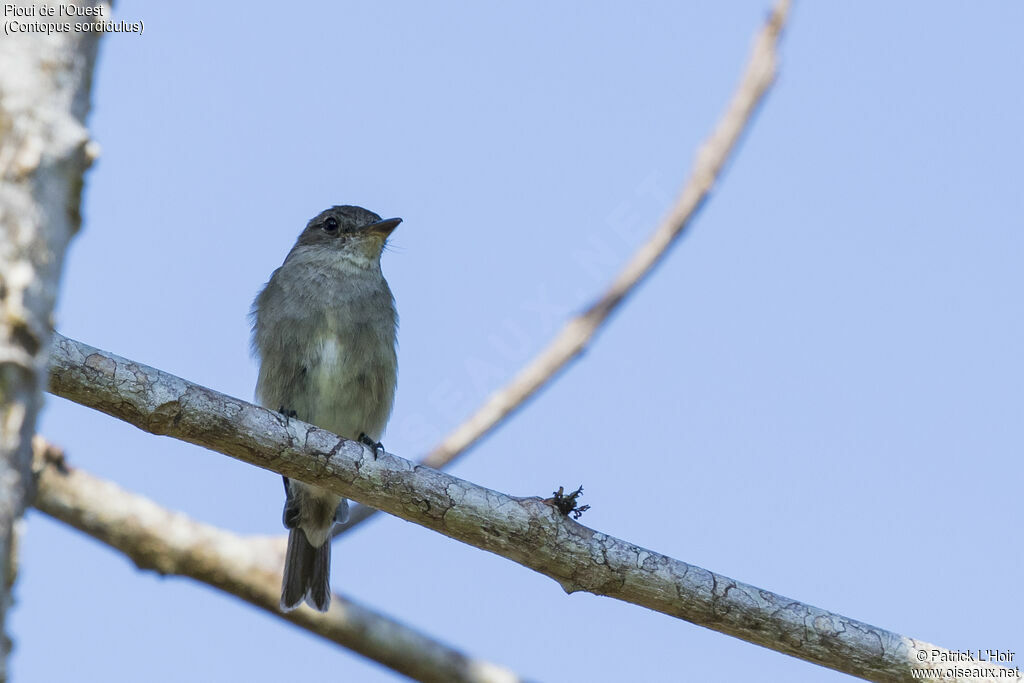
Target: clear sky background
<point>818,392</point>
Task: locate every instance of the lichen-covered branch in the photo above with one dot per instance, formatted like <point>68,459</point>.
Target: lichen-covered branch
<point>172,543</point>
<point>44,151</point>
<point>525,530</point>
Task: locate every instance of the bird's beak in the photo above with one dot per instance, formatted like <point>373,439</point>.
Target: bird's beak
<point>384,227</point>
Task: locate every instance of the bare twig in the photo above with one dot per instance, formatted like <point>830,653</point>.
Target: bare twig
<point>573,338</point>
<point>172,543</point>
<point>44,99</point>
<point>525,530</point>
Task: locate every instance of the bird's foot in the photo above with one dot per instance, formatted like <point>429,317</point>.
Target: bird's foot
<point>377,446</point>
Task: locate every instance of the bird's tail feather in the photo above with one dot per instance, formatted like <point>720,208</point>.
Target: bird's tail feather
<point>307,571</point>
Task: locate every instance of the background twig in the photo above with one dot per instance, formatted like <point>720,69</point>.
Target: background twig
<point>578,332</point>
<point>172,543</point>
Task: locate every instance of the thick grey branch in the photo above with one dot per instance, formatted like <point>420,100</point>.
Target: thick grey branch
<point>525,530</point>
<point>44,150</point>
<point>172,543</point>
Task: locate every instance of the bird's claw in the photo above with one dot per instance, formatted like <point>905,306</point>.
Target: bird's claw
<point>377,446</point>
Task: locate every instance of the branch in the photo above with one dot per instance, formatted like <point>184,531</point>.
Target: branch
<point>578,332</point>
<point>172,543</point>
<point>44,151</point>
<point>524,530</point>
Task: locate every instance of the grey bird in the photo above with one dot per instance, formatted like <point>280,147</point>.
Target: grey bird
<point>324,334</point>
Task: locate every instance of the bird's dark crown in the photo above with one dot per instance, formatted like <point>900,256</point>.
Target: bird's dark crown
<point>349,217</point>
<point>347,228</point>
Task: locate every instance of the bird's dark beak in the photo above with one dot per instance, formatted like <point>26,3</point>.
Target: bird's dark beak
<point>384,227</point>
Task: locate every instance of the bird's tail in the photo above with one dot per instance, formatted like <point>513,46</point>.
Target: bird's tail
<point>307,571</point>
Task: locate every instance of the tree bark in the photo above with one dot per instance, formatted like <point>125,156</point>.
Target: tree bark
<point>44,151</point>
<point>525,530</point>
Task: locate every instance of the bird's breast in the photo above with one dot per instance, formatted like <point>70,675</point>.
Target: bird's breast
<point>352,376</point>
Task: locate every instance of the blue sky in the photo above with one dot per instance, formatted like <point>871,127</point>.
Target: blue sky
<point>819,391</point>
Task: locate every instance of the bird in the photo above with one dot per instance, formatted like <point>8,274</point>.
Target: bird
<point>324,332</point>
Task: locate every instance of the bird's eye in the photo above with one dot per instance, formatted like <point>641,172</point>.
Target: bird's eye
<point>331,224</point>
